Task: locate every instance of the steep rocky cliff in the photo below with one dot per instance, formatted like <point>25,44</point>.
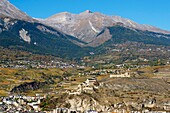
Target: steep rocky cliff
<point>28,86</point>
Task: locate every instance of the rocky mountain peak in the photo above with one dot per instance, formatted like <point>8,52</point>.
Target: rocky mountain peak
<point>88,11</point>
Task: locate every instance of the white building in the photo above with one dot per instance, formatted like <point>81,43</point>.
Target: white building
<point>127,74</point>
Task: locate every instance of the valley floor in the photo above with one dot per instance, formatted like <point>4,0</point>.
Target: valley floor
<point>109,90</point>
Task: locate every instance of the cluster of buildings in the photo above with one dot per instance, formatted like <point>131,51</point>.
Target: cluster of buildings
<point>117,109</point>
<point>120,74</point>
<point>25,64</point>
<point>86,87</point>
<point>112,72</point>
<point>20,104</point>
<point>66,110</point>
<point>101,72</point>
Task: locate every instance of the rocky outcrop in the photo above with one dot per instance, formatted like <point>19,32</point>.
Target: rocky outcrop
<point>81,103</point>
<point>28,86</point>
<point>117,94</point>
<point>24,35</point>
<point>101,38</point>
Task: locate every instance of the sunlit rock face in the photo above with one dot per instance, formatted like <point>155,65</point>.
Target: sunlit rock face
<point>24,35</point>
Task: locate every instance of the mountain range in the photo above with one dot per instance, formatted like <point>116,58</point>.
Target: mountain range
<point>71,35</point>
<point>87,25</point>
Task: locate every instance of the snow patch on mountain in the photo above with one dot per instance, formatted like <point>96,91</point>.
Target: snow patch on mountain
<point>130,22</point>
<point>93,28</point>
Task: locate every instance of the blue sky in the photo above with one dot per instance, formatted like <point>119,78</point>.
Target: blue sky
<point>152,12</point>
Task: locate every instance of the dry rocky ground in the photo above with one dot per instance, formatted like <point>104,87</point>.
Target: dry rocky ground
<point>131,94</point>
